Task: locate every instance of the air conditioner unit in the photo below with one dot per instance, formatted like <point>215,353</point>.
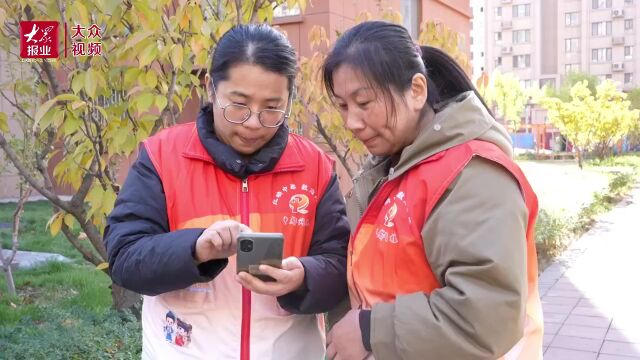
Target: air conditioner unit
<point>506,25</point>
<point>616,13</point>
<point>507,49</point>
<point>618,67</point>
<point>618,40</point>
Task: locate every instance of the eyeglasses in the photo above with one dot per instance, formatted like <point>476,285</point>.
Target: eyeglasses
<point>239,114</point>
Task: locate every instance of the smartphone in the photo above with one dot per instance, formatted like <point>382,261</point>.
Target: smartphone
<point>255,249</point>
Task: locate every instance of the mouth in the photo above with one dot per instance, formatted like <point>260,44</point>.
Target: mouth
<point>370,140</point>
<point>248,141</point>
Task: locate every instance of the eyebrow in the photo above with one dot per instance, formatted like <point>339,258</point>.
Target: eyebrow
<point>353,93</point>
<point>245,96</point>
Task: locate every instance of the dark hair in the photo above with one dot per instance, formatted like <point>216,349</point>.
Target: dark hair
<point>184,325</point>
<point>258,44</point>
<point>170,315</point>
<point>388,59</point>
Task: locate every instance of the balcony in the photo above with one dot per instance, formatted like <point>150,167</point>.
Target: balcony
<point>618,40</point>
<point>617,67</point>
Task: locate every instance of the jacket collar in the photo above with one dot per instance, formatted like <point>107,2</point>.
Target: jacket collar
<point>275,155</point>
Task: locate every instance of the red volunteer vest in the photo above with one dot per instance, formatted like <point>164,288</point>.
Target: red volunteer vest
<point>379,269</point>
<point>199,193</point>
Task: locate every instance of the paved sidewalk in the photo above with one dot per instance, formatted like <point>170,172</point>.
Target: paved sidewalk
<point>591,296</point>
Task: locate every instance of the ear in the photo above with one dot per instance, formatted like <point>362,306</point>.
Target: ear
<point>418,92</point>
<point>207,84</point>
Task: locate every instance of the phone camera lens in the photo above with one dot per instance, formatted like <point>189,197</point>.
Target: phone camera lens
<point>246,245</point>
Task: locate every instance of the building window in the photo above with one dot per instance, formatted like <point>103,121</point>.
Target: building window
<point>572,19</point>
<point>628,24</point>
<point>410,17</point>
<point>572,45</point>
<point>601,4</point>
<point>601,55</point>
<point>569,68</point>
<point>551,83</point>
<point>628,78</point>
<point>522,61</point>
<point>284,10</point>
<point>497,36</point>
<point>628,2</point>
<point>498,12</point>
<point>628,52</point>
<point>521,36</point>
<point>525,84</point>
<point>602,28</point>
<point>498,61</point>
<point>523,10</point>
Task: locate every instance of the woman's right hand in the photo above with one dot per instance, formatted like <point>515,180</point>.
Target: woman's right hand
<point>219,240</point>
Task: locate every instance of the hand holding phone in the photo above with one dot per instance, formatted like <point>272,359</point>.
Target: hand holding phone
<point>260,266</point>
<point>287,279</point>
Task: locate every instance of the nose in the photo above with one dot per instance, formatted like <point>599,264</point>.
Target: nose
<point>252,122</point>
<point>354,121</point>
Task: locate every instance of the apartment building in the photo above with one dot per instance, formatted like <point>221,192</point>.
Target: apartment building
<point>541,41</point>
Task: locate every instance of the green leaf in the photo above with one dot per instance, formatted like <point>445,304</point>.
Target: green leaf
<point>161,102</point>
<point>148,54</point>
<point>177,56</point>
<point>144,102</point>
<point>130,76</point>
<point>4,122</point>
<point>67,97</point>
<point>56,223</point>
<point>44,108</point>
<point>91,82</point>
<point>77,83</point>
<point>151,79</point>
<point>69,220</point>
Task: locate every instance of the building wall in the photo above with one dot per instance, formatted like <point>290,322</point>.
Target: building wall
<point>478,39</point>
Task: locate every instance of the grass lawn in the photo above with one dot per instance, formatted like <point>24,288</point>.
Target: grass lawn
<point>62,311</point>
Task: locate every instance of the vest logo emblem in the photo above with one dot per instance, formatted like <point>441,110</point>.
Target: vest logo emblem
<point>391,214</point>
<point>299,203</point>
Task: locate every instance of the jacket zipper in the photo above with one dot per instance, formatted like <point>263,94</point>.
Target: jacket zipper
<point>245,332</point>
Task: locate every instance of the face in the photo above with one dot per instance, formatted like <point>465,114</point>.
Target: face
<point>364,111</point>
<point>257,88</point>
<point>170,321</point>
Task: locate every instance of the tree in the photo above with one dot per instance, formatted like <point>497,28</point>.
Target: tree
<point>592,122</point>
<point>572,78</point>
<point>508,96</point>
<point>7,260</point>
<point>93,111</point>
<point>634,135</point>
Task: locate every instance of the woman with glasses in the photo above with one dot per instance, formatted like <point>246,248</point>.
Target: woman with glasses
<point>196,186</point>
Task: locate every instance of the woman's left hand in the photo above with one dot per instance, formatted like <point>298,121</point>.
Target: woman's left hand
<point>287,279</point>
<point>344,341</point>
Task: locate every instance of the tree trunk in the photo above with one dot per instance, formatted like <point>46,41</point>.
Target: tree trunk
<point>11,285</point>
<point>579,156</point>
<point>124,299</point>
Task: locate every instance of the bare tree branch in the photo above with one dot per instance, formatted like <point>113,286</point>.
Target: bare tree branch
<point>332,145</point>
<point>87,254</point>
<point>25,173</point>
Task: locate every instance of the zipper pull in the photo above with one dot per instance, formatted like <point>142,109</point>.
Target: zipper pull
<point>245,185</point>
